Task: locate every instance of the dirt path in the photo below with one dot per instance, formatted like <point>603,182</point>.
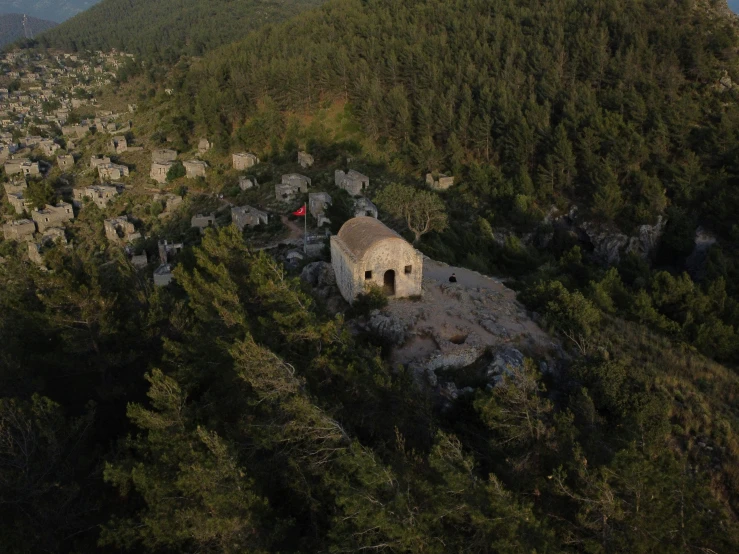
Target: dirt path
<point>296,231</point>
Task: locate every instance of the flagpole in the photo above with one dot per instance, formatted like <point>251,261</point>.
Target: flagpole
<point>305,232</point>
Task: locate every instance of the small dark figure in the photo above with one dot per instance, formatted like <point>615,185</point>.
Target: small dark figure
<point>453,278</point>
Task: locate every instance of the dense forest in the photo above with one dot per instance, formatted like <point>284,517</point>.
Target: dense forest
<point>233,413</point>
<point>166,29</point>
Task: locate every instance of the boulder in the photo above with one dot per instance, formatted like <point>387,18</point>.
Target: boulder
<point>505,361</point>
<point>319,274</point>
<point>387,327</point>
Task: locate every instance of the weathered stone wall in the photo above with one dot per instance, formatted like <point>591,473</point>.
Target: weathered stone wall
<point>345,268</point>
<point>396,255</point>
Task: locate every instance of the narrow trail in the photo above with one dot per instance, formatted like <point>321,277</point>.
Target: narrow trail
<point>296,231</point>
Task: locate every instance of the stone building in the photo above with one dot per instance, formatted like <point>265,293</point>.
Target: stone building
<point>195,168</point>
<point>443,182</point>
<point>203,146</point>
<point>317,204</point>
<point>66,162</point>
<point>168,250</point>
<point>163,155</point>
<point>96,161</point>
<point>163,275</point>
<point>100,195</point>
<point>15,194</point>
<point>112,172</point>
<point>140,261</point>
<point>53,216</point>
<point>159,171</point>
<point>119,229</point>
<point>118,144</point>
<point>305,160</point>
<point>364,207</point>
<point>286,193</point>
<point>202,222</point>
<point>246,216</point>
<point>244,160</point>
<point>22,229</point>
<point>48,147</point>
<point>301,182</point>
<point>367,252</point>
<point>353,182</point>
<point>22,166</point>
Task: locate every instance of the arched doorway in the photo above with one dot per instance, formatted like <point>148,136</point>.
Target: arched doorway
<point>389,282</point>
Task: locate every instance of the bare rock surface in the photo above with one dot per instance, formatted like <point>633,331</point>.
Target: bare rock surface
<point>454,325</point>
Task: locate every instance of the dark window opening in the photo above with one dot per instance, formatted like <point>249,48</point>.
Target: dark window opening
<point>368,275</point>
<point>408,269</point>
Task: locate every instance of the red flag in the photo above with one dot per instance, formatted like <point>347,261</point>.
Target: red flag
<point>300,212</point>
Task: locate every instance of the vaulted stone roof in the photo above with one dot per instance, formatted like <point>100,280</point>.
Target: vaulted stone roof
<point>362,233</point>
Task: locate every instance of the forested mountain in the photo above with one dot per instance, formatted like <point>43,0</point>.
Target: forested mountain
<point>12,29</point>
<point>56,10</point>
<point>166,29</point>
<point>625,108</point>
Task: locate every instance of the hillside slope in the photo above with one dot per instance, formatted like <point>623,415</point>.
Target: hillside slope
<point>11,27</point>
<point>167,28</point>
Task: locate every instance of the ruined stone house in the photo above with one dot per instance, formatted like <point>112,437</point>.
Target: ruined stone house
<point>305,160</point>
<point>159,171</point>
<point>366,252</point>
<point>318,202</point>
<point>48,147</point>
<point>20,230</point>
<point>301,182</point>
<point>53,216</point>
<point>66,162</point>
<point>203,146</point>
<point>244,160</point>
<point>353,182</point>
<point>118,144</point>
<point>202,222</point>
<point>96,161</point>
<point>112,172</point>
<point>195,168</point>
<point>168,250</point>
<point>364,207</point>
<point>442,182</point>
<point>22,166</point>
<point>100,195</point>
<point>120,229</point>
<point>15,195</point>
<point>163,275</point>
<point>246,216</point>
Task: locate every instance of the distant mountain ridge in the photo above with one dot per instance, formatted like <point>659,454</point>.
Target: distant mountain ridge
<point>168,28</point>
<point>53,10</point>
<point>11,27</point>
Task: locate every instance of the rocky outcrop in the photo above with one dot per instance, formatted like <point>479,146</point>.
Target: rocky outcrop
<point>387,327</point>
<point>505,361</point>
<point>319,274</point>
<point>609,245</point>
